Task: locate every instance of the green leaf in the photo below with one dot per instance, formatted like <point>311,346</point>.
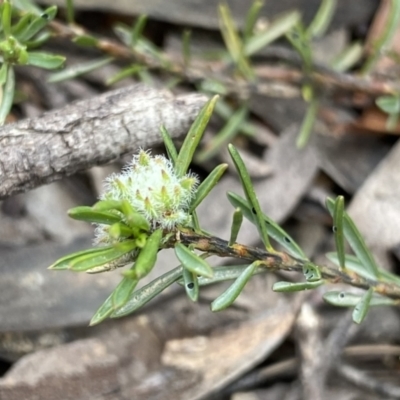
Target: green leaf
<point>45,60</point>
<point>299,39</point>
<point>251,19</point>
<point>193,137</point>
<point>230,295</point>
<point>79,69</point>
<point>389,104</point>
<point>207,185</point>
<point>348,58</point>
<point>356,241</point>
<point>353,263</point>
<point>192,261</point>
<point>311,272</point>
<point>39,40</point>
<point>343,299</point>
<point>22,24</point>
<point>70,11</point>
<point>361,309</point>
<point>307,124</point>
<point>83,261</point>
<point>169,144</point>
<point>137,30</point>
<point>228,132</point>
<point>3,73</point>
<point>186,47</point>
<point>142,296</point>
<point>123,291</point>
<point>273,229</point>
<point>104,311</point>
<point>132,70</point>
<point>275,30</point>
<point>119,230</point>
<point>88,214</point>
<point>191,284</point>
<point>338,229</point>
<point>86,40</point>
<point>233,42</point>
<point>36,24</point>
<point>148,255</point>
<point>6,18</point>
<point>133,218</point>
<point>8,94</point>
<point>237,220</point>
<point>27,6</point>
<point>251,196</point>
<point>295,287</point>
<point>322,19</point>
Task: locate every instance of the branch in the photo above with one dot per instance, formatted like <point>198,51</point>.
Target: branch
<point>90,132</point>
<point>279,261</point>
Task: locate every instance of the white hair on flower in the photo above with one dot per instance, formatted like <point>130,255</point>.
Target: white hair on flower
<point>153,188</point>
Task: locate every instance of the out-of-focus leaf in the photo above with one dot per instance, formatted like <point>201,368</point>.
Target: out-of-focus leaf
<point>361,309</point>
<point>186,47</point>
<point>275,30</point>
<point>307,124</point>
<point>193,137</point>
<point>27,6</point>
<point>132,70</point>
<point>192,261</point>
<point>137,30</point>
<point>389,104</point>
<point>3,73</point>
<point>251,19</point>
<point>299,39</point>
<point>6,18</point>
<point>45,60</point>
<point>251,196</point>
<point>79,69</point>
<point>349,57</point>
<point>8,94</point>
<point>230,295</point>
<point>86,40</point>
<point>344,299</point>
<point>70,11</point>
<point>356,241</point>
<point>38,40</point>
<point>322,19</point>
<point>227,133</point>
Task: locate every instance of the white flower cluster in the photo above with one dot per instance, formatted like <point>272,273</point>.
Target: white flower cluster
<point>152,187</point>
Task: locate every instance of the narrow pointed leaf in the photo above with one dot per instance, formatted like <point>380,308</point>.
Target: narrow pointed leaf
<point>79,69</point>
<point>3,73</point>
<point>8,95</point>
<point>348,58</point>
<point>192,261</point>
<point>70,11</point>
<point>230,295</point>
<point>295,286</point>
<point>95,258</point>
<point>6,18</point>
<point>356,241</point>
<point>248,188</point>
<point>226,134</point>
<point>119,230</point>
<point>275,30</point>
<point>237,220</point>
<point>307,124</point>
<point>169,144</point>
<point>251,19</point>
<point>133,218</point>
<point>322,19</point>
<point>123,291</point>
<point>186,47</point>
<point>103,312</point>
<point>227,273</point>
<point>125,73</point>
<point>143,295</point>
<point>338,229</point>
<point>207,185</point>
<point>86,40</point>
<point>45,60</point>
<point>191,284</point>
<point>343,299</point>
<point>273,229</point>
<point>137,30</point>
<point>361,309</point>
<point>148,255</point>
<point>193,137</point>
<point>88,214</point>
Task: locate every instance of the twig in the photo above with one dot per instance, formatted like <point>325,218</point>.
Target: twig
<point>279,261</point>
<point>367,382</point>
<point>90,132</point>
